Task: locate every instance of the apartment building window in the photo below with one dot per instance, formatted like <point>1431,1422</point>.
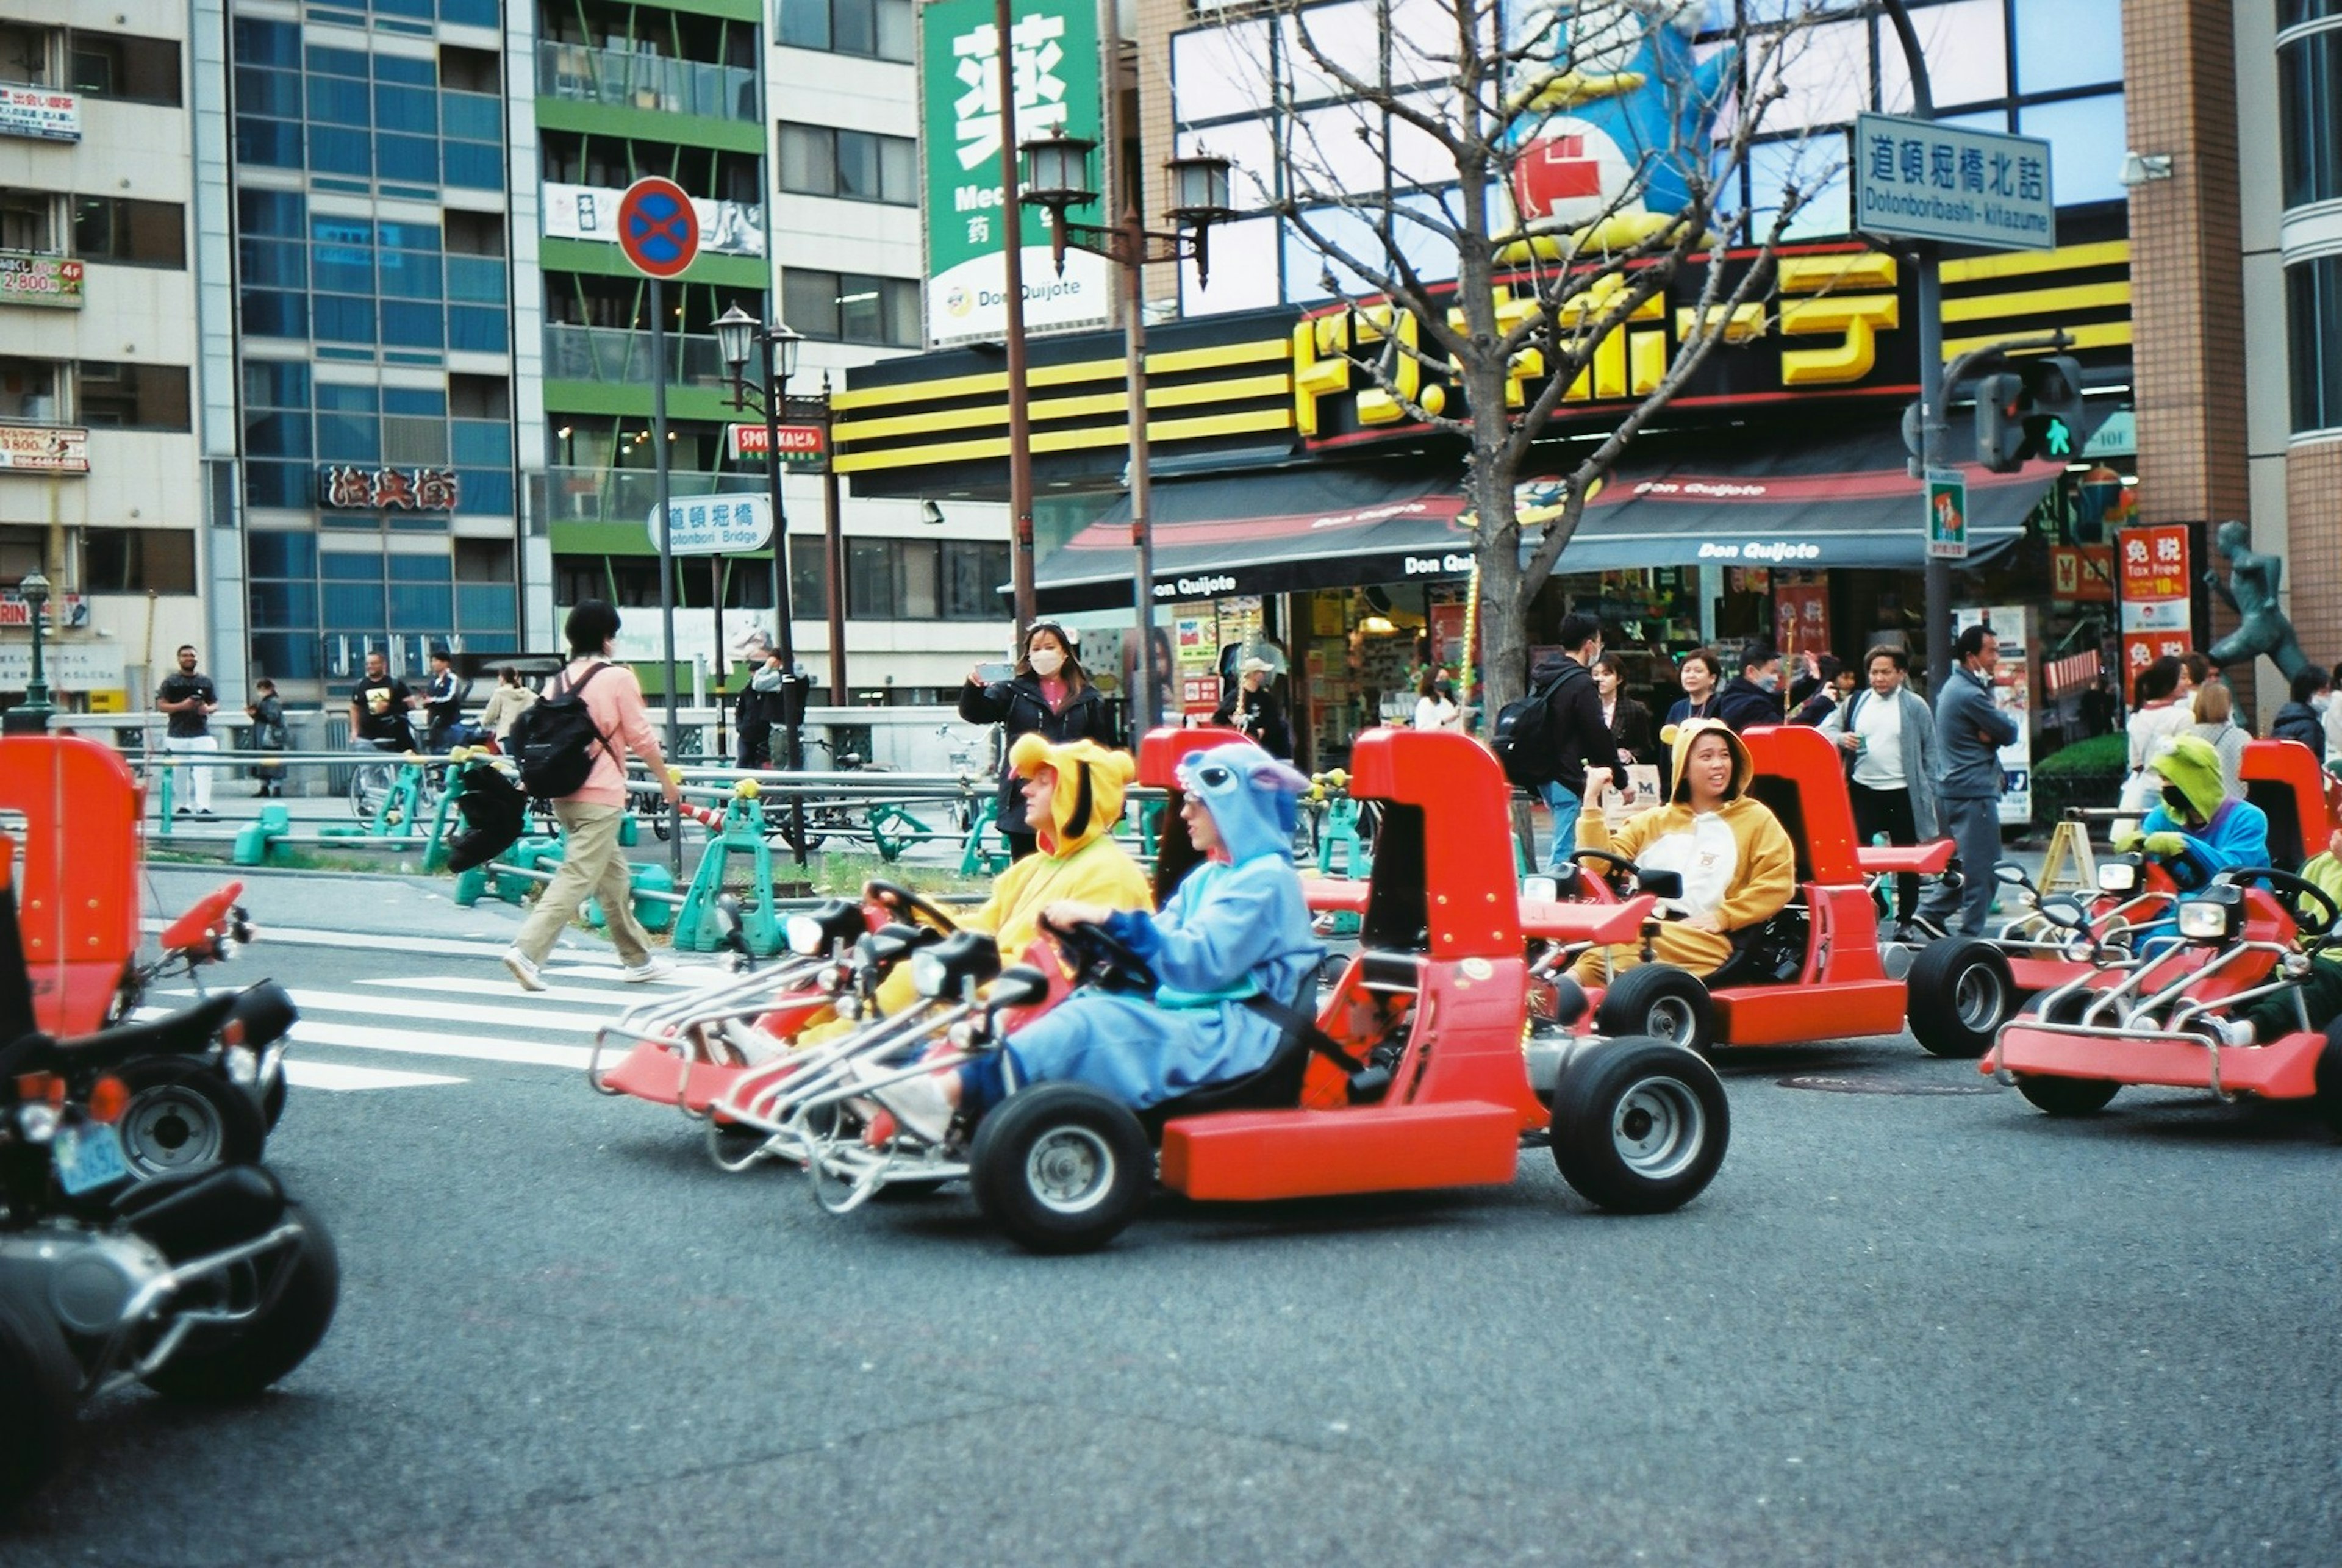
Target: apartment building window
<point>28,222</point>
<point>2309,98</point>
<point>134,70</point>
<point>127,232</point>
<point>132,396</point>
<point>904,579</point>
<point>819,161</point>
<point>2312,310</point>
<point>850,307</point>
<point>881,29</point>
<point>28,391</point>
<point>137,561</point>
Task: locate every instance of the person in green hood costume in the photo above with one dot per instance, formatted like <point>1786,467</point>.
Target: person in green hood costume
<point>2198,830</point>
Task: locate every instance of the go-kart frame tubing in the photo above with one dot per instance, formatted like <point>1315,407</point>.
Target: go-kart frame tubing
<point>107,1372</point>
<point>906,1156</point>
<point>746,997</point>
<point>774,1097</point>
<point>2018,937</point>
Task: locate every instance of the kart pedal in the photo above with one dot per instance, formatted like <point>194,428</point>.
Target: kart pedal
<point>880,1130</point>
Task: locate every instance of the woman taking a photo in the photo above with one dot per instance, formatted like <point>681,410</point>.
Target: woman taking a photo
<point>1049,694</point>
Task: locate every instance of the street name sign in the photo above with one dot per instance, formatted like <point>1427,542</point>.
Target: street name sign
<point>1917,179</point>
<point>715,524</point>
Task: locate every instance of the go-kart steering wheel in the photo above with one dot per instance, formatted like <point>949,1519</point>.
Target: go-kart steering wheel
<point>1102,958</point>
<point>2284,881</point>
<point>902,901</point>
<point>1616,862</point>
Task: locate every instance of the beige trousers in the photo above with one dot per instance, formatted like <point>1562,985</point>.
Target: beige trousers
<point>593,867</point>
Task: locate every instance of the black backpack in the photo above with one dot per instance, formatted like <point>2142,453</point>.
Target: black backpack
<point>1523,738</point>
<point>553,739</point>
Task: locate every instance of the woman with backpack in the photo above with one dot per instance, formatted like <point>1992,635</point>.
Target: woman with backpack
<point>1050,695</point>
<point>549,739</point>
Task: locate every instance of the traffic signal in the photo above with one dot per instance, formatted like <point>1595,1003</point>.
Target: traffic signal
<point>2032,411</point>
<point>2000,422</point>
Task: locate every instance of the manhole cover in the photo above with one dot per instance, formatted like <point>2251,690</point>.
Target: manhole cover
<point>1839,1083</point>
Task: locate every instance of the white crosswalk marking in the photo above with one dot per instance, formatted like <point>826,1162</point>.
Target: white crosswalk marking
<point>334,1076</point>
<point>523,1018</point>
<point>466,1048</point>
<point>464,985</point>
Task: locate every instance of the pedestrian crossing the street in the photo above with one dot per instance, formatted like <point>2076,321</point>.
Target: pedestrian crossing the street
<point>418,1030</point>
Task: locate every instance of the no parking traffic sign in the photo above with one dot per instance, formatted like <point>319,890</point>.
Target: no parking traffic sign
<point>657,227</point>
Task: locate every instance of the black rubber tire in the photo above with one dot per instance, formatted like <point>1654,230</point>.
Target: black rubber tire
<point>271,1100</point>
<point>1658,1002</point>
<point>2067,1096</point>
<point>2328,1100</point>
<point>1071,1134</point>
<point>1639,1126</point>
<point>39,1386</point>
<point>239,1361</point>
<point>1959,993</point>
<point>183,1116</point>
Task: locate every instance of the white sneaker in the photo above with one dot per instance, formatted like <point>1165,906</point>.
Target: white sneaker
<point>652,967</point>
<point>919,1105</point>
<point>2237,1032</point>
<point>523,969</point>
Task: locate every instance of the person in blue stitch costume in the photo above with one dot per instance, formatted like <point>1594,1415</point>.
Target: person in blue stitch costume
<point>1621,100</point>
<point>2198,830</point>
<point>1236,928</point>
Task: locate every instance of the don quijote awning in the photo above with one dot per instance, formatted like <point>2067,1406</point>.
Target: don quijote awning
<point>1740,498</point>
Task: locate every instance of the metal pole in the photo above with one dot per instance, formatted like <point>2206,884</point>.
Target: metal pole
<point>833,562</point>
<point>716,622</point>
<point>776,391</point>
<point>1012,255</point>
<point>1147,713</point>
<point>667,552</point>
<point>1933,392</point>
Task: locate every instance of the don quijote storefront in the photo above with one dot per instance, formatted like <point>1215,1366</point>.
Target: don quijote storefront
<point>1299,511</point>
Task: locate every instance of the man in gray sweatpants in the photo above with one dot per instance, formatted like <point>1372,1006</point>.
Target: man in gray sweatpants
<point>1970,730</point>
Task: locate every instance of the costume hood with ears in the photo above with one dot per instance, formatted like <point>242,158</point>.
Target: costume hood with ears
<point>2192,764</point>
<point>1091,780</point>
<point>1254,800</point>
<point>1743,767</point>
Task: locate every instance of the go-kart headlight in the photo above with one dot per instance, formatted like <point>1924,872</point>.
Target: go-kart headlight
<point>2121,876</point>
<point>2216,914</point>
<point>1548,888</point>
<point>813,932</point>
<point>939,970</point>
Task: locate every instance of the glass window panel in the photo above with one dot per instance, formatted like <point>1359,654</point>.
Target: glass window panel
<point>273,555</point>
<point>1967,46</point>
<point>271,213</point>
<point>805,566</point>
<point>854,27</point>
<point>418,568</point>
<point>284,604</point>
<point>409,441</point>
<point>276,384</point>
<point>898,32</point>
<point>414,400</point>
<point>920,600</point>
<point>478,279</point>
<point>473,166</point>
<point>405,109</point>
<point>898,170</point>
<point>809,160</point>
<point>2067,44</point>
<point>1816,165</point>
<point>805,24</point>
<point>869,578</point>
<point>351,607</point>
<point>267,43</point>
<point>471,13</point>
<point>279,484</point>
<point>481,442</point>
<point>337,62</point>
<point>861,317</point>
<point>472,116</point>
<point>346,398</point>
<point>857,166</point>
<point>286,655</point>
<point>411,159</point>
<point>484,607</point>
<point>2086,140</point>
<point>486,492</point>
<point>420,9</point>
<point>399,68</point>
<point>410,274</point>
<point>338,101</point>
<point>343,567</point>
<point>2312,310</point>
<point>268,313</point>
<point>271,144</point>
<point>349,437</point>
<point>275,263</point>
<point>342,259</point>
<point>1244,270</point>
<point>475,330</point>
<point>2309,100</point>
<point>267,94</point>
<point>1216,72</point>
<point>336,152</point>
<point>276,435</point>
<point>809,301</point>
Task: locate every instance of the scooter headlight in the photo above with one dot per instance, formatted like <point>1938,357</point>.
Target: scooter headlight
<point>2216,914</point>
<point>2119,876</point>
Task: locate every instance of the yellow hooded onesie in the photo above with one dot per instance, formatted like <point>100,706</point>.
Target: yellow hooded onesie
<point>1736,862</point>
<point>1079,857</point>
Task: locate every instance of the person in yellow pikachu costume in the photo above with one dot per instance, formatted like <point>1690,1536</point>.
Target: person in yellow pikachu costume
<point>1737,865</point>
<point>1073,798</point>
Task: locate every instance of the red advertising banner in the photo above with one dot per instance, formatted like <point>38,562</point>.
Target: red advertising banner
<point>2141,649</point>
<point>1800,618</point>
<point>2084,573</point>
<point>800,444</point>
<point>2154,563</point>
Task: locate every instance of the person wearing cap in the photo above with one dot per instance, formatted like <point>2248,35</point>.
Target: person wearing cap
<point>1252,707</point>
<point>1049,694</point>
<point>1231,951</point>
<point>758,706</point>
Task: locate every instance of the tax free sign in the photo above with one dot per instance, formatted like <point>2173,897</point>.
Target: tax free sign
<point>1920,180</point>
<point>1052,61</point>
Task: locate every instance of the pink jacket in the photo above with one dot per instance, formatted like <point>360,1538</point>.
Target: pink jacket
<point>615,698</point>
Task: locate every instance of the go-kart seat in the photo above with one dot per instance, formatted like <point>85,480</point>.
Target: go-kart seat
<point>2282,807</point>
<point>1274,1085</point>
<point>1771,953</point>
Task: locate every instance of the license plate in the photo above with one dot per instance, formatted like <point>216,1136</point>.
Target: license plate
<point>88,1157</point>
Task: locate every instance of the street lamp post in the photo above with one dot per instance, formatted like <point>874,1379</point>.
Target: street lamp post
<point>1058,178</point>
<point>31,716</point>
<point>778,347</point>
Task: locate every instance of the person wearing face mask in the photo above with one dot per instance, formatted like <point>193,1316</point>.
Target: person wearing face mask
<point>592,863</point>
<point>1754,696</point>
<point>2198,828</point>
<point>1251,706</point>
<point>1049,694</point>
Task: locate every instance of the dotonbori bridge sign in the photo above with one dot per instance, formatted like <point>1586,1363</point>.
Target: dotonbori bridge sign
<point>1921,180</point>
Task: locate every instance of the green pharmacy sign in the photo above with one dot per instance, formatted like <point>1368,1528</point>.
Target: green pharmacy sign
<point>1053,65</point>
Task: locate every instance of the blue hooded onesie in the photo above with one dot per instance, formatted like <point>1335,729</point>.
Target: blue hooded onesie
<point>1234,929</point>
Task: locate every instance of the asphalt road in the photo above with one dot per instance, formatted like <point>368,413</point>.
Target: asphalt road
<point>1912,1321</point>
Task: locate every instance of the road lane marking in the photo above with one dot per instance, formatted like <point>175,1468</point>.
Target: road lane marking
<point>337,1077</point>
<point>526,1019</point>
<point>512,1053</point>
<point>617,998</point>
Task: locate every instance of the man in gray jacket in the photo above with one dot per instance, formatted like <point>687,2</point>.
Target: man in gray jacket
<point>1970,730</point>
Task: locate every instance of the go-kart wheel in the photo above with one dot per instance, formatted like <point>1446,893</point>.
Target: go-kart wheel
<point>1959,995</point>
<point>2067,1096</point>
<point>1639,1126</point>
<point>183,1116</point>
<point>239,1361</point>
<point>1662,1001</point>
<point>271,1100</point>
<point>38,1384</point>
<point>902,901</point>
<point>2328,1099</point>
<point>1061,1167</point>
